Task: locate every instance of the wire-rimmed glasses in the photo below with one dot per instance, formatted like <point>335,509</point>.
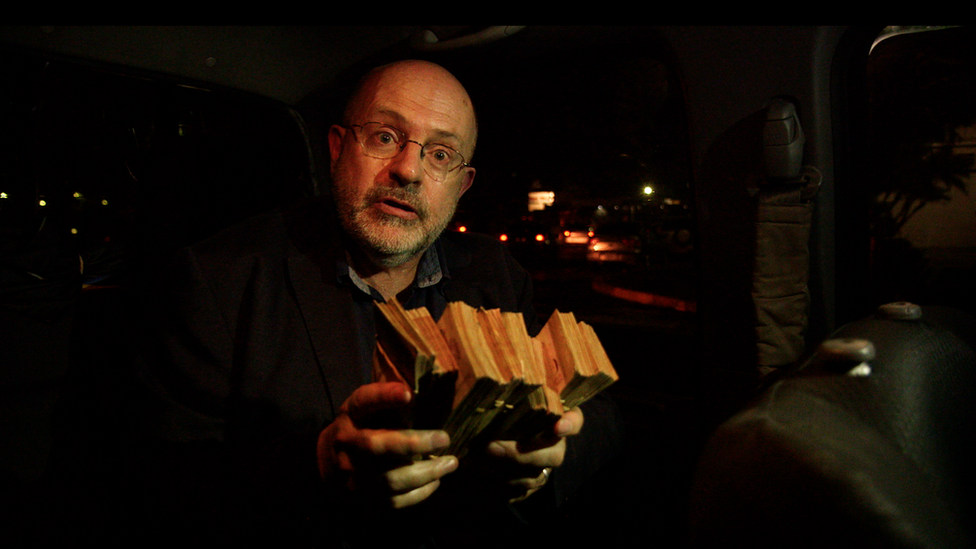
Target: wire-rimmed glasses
<point>385,141</point>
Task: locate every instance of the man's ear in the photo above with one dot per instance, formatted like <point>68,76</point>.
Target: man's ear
<point>336,135</point>
<point>467,179</point>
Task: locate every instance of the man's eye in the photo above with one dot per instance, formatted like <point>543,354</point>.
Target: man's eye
<point>440,155</point>
<point>384,138</point>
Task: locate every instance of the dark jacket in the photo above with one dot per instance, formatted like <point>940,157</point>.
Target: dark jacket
<point>254,351</point>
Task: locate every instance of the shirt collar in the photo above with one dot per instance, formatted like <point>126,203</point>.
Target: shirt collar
<point>431,270</point>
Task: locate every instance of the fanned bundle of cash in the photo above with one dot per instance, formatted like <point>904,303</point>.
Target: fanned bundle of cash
<point>477,373</point>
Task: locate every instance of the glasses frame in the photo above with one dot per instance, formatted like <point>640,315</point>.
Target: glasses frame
<point>402,144</point>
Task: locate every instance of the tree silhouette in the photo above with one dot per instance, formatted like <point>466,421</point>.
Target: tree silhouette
<point>921,88</point>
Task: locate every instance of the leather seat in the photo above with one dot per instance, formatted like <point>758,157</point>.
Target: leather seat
<point>868,444</point>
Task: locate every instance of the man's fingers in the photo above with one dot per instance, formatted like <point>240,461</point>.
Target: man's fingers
<point>406,485</point>
<point>415,496</point>
<point>533,482</point>
<point>525,487</point>
<point>570,424</point>
<point>529,457</point>
<point>375,398</point>
<point>383,443</point>
<point>420,473</point>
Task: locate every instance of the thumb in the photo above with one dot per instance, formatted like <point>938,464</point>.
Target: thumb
<point>374,398</point>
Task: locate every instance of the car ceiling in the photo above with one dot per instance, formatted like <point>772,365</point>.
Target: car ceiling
<point>286,63</point>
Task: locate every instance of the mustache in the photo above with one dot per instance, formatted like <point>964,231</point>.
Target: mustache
<point>397,197</point>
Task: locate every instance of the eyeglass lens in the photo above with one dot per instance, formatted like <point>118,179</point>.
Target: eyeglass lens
<point>382,141</point>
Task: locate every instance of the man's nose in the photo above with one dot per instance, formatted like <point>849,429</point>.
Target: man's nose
<point>407,167</point>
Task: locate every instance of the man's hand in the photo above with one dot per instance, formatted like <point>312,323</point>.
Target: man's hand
<point>383,465</point>
<point>514,470</point>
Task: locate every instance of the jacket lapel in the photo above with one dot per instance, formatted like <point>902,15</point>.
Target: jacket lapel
<point>326,308</point>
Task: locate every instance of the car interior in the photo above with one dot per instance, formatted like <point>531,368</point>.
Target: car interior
<point>790,308</point>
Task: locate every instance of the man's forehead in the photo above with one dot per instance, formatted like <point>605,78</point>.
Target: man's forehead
<point>436,105</point>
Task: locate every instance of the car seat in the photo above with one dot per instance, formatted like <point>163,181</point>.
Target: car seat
<point>868,443</point>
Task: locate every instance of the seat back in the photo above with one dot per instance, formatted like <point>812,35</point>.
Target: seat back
<point>869,442</point>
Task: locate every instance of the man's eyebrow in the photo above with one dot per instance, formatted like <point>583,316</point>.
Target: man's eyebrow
<point>447,136</point>
<point>437,135</point>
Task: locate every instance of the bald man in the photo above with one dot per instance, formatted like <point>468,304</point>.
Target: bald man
<point>260,366</point>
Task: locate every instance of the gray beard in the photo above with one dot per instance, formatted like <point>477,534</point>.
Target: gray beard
<point>360,224</point>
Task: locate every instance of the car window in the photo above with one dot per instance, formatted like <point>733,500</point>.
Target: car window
<point>919,162</point>
<point>113,170</point>
<point>583,145</point>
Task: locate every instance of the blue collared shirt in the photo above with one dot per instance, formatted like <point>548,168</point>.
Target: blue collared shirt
<point>425,291</point>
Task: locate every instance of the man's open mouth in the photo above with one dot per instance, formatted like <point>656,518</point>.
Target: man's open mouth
<point>397,208</point>
<point>393,203</point>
